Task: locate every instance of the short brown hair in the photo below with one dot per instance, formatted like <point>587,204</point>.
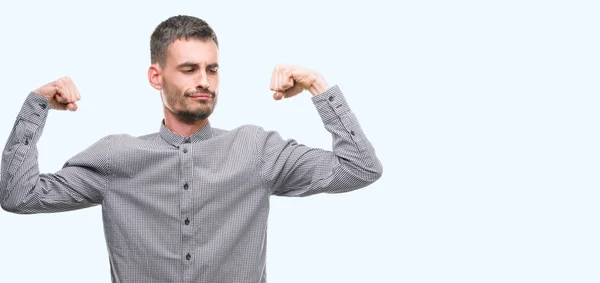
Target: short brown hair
<point>174,28</point>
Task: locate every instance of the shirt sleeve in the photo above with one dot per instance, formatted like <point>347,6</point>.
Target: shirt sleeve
<point>292,169</point>
<point>78,184</point>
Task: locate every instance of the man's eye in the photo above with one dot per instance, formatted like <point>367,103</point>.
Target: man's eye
<point>214,71</point>
<point>188,70</point>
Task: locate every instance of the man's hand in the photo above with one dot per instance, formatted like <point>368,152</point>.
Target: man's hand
<point>288,81</point>
<point>62,94</point>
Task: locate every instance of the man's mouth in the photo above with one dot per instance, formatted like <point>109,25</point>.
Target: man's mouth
<point>204,95</point>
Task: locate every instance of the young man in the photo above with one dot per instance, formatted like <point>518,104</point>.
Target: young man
<point>189,203</point>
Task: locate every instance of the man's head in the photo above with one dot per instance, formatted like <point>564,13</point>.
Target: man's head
<point>184,57</point>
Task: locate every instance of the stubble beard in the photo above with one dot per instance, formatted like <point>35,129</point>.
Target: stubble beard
<point>185,109</point>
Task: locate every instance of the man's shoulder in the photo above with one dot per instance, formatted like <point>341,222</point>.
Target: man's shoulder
<point>242,133</point>
<point>119,139</point>
<point>246,129</point>
<point>238,129</point>
<point>146,137</point>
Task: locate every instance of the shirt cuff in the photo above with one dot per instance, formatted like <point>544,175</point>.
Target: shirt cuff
<point>331,104</point>
<point>35,109</point>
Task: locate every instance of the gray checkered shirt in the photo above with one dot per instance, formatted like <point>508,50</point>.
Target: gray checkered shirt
<point>191,209</point>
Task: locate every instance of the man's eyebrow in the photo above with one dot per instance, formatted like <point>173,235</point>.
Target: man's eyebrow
<point>188,64</point>
<point>196,65</point>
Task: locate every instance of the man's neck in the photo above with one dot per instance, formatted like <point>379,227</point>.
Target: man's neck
<point>180,128</point>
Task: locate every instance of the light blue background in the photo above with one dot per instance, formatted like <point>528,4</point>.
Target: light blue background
<point>484,114</point>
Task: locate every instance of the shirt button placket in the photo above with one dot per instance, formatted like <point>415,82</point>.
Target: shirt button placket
<point>186,202</point>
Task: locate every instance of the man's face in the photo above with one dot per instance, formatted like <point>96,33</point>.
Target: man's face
<point>190,79</point>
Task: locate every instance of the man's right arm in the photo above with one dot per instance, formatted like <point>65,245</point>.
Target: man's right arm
<point>79,184</point>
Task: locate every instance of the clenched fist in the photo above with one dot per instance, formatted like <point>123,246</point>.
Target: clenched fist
<point>62,94</point>
<point>288,81</point>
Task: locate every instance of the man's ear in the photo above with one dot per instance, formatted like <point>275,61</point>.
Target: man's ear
<point>155,76</point>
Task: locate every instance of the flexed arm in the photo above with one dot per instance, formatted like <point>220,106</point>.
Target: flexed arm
<point>78,184</point>
<point>289,168</point>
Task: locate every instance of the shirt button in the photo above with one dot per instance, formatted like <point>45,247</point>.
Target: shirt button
<point>331,98</point>
<point>185,150</point>
<point>188,256</point>
<point>26,141</point>
<point>187,221</point>
<point>186,141</point>
<point>352,133</point>
<point>43,105</point>
<point>186,186</point>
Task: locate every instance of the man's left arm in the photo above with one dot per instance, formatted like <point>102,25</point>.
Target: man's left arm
<point>292,169</point>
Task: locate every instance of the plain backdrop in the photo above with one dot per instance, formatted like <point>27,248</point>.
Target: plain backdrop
<point>483,113</point>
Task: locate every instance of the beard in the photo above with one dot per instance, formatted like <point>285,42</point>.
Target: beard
<point>185,110</point>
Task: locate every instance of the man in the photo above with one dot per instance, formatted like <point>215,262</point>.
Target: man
<point>189,203</point>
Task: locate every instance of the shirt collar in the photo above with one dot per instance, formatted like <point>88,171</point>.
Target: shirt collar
<point>174,139</point>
